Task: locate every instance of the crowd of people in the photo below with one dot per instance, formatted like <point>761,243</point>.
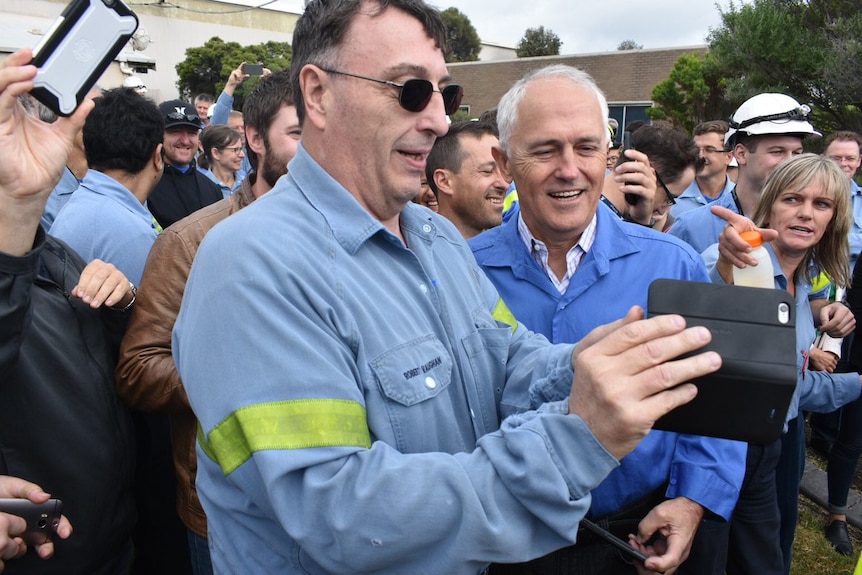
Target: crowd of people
<point>333,333</point>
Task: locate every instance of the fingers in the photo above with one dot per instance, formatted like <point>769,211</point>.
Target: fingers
<point>101,283</point>
<point>635,313</point>
<point>16,78</point>
<point>11,546</point>
<point>16,488</point>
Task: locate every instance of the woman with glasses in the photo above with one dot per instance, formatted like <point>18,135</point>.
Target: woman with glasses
<point>222,156</point>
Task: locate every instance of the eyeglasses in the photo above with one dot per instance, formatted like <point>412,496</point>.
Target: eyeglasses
<point>415,94</point>
<point>848,159</point>
<point>234,149</point>
<point>671,200</point>
<point>181,117</point>
<point>711,150</point>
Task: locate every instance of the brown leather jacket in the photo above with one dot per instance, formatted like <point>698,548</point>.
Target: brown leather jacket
<point>147,378</point>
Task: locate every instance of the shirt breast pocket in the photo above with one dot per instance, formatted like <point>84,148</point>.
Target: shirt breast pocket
<point>410,377</point>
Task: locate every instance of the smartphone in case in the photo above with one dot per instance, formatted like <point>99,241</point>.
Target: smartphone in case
<point>252,69</point>
<point>631,199</point>
<point>42,518</point>
<point>753,330</point>
<point>77,50</point>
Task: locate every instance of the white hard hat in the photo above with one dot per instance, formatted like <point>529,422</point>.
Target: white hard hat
<point>770,114</point>
<point>136,84</point>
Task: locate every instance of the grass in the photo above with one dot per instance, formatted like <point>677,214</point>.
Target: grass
<point>812,554</point>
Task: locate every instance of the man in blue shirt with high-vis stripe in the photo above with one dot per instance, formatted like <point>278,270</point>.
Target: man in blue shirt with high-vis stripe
<point>367,403</point>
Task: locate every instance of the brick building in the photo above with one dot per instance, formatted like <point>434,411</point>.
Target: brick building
<point>627,77</point>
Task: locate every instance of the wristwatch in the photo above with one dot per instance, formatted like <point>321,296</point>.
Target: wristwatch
<point>128,306</point>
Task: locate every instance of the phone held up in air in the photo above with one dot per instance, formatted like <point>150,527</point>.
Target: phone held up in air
<point>42,518</point>
<point>77,50</point>
<point>631,199</point>
<point>252,69</point>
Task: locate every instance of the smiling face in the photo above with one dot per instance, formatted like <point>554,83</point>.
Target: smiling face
<point>426,196</point>
<point>474,201</point>
<point>846,154</point>
<point>801,217</point>
<point>711,150</point>
<point>229,158</point>
<point>360,134</point>
<point>181,144</point>
<point>557,157</point>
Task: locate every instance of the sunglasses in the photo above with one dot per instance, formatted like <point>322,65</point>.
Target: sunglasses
<point>415,94</point>
<point>181,117</point>
<point>671,200</point>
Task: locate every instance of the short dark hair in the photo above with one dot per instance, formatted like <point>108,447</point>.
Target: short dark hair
<point>204,98</point>
<point>670,151</point>
<point>122,131</point>
<point>447,154</point>
<point>320,31</point>
<point>263,104</point>
<point>216,136</point>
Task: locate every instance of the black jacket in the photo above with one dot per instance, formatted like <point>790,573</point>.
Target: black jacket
<point>178,194</point>
<point>61,423</point>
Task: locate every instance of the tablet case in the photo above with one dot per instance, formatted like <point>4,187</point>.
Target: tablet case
<point>754,331</point>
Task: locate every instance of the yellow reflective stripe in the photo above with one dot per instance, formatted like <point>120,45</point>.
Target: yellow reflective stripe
<point>503,314</point>
<point>820,282</point>
<point>298,424</point>
<point>510,200</point>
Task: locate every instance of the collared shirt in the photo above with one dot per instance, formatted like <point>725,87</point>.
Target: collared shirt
<point>104,220</point>
<point>817,391</point>
<point>382,374</point>
<point>225,189</point>
<point>59,196</point>
<point>693,198</point>
<point>700,228</point>
<point>613,276</point>
<point>539,251</point>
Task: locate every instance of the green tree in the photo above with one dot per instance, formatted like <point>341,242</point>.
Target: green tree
<point>692,93</point>
<point>464,42</point>
<point>538,42</point>
<point>629,45</point>
<point>808,49</point>
<point>206,68</point>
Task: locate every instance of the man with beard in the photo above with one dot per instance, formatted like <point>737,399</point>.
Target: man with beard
<point>147,378</point>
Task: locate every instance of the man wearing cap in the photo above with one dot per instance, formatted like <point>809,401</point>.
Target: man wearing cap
<point>182,189</point>
<point>711,181</point>
<point>765,130</point>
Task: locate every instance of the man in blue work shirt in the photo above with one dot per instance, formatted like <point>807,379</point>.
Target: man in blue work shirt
<point>354,388</point>
<point>565,265</point>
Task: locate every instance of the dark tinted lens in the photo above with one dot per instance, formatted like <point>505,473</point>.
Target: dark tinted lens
<point>415,94</point>
<point>452,95</point>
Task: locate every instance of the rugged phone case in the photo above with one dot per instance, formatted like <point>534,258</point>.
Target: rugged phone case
<point>77,49</point>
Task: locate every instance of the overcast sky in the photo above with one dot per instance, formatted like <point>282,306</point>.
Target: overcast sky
<point>584,26</point>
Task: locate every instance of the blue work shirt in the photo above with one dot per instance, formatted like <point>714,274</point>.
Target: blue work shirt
<point>613,276</point>
<point>856,224</point>
<point>817,391</point>
<point>350,391</point>
<point>700,228</point>
<point>59,196</point>
<point>692,198</point>
<point>104,220</point>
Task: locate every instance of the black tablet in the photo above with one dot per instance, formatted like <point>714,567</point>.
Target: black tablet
<point>754,331</point>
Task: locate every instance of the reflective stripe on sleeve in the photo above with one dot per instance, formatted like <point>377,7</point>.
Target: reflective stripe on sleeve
<point>503,314</point>
<point>298,424</point>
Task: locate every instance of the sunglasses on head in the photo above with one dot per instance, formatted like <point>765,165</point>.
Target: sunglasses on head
<point>181,117</point>
<point>415,94</point>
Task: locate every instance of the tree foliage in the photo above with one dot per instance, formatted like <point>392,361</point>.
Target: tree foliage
<point>629,45</point>
<point>808,49</point>
<point>464,42</point>
<point>692,93</point>
<point>538,42</point>
<point>207,68</point>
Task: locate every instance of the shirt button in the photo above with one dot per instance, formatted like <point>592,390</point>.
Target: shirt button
<point>423,288</point>
<point>430,383</point>
<point>426,228</point>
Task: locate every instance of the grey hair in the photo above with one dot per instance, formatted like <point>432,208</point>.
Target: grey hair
<point>507,110</point>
